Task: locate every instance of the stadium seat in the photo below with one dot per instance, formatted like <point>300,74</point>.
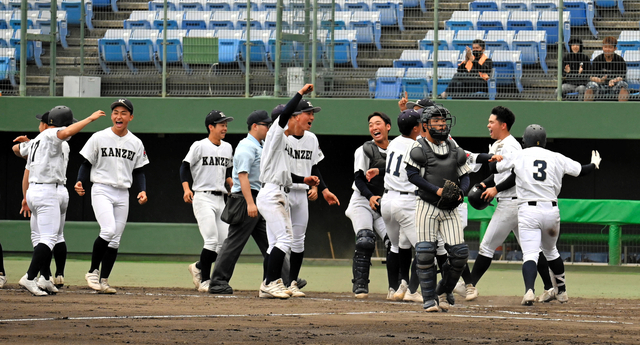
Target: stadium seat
<point>342,52</point>
<point>106,3</point>
<point>533,47</point>
<point>611,3</point>
<point>174,20</point>
<point>259,47</point>
<point>507,65</point>
<point>416,82</point>
<point>271,21</point>
<point>325,5</point>
<point>228,45</point>
<point>241,5</point>
<point>269,5</point>
<point>143,47</point>
<point>515,5</point>
<point>299,20</point>
<point>465,38</point>
<point>196,20</point>
<point>632,58</point>
<point>257,18</point>
<point>43,22</point>
<point>72,7</point>
<point>629,40</point>
<point>114,47</point>
<point>5,38</point>
<point>388,83</point>
<point>342,20</point>
<point>368,27</point>
<point>140,20</point>
<point>599,52</point>
<point>191,5</point>
<point>412,58</point>
<point>15,21</point>
<point>158,5</point>
<point>548,22</point>
<point>499,40</point>
<point>493,20</point>
<point>5,19</point>
<point>16,5</point>
<point>8,65</point>
<point>523,20</point>
<point>445,40</point>
<point>174,47</point>
<point>485,5</point>
<point>34,48</point>
<point>345,47</point>
<point>357,5</point>
<point>544,5</point>
<point>463,20</point>
<point>33,4</point>
<point>582,13</point>
<point>224,20</point>
<point>445,74</point>
<point>216,5</point>
<point>391,12</point>
<point>446,58</point>
<point>287,49</point>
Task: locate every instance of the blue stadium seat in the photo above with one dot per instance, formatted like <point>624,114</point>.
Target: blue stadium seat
<point>632,58</point>
<point>446,58</point>
<point>5,19</point>
<point>299,20</point>
<point>191,5</point>
<point>368,26</point>
<point>34,48</point>
<point>548,22</point>
<point>196,20</point>
<point>508,68</point>
<point>445,74</point>
<point>345,47</point>
<point>158,5</point>
<point>287,49</point>
<point>342,52</point>
<point>72,7</point>
<point>388,83</point>
<point>16,5</point>
<point>445,40</point>
<point>582,13</point>
<point>143,47</point>
<point>533,47</point>
<point>465,38</point>
<point>217,5</point>
<point>269,5</point>
<point>140,20</point>
<point>357,5</point>
<point>255,20</point>
<point>412,58</point>
<point>416,82</point>
<point>611,3</point>
<point>515,5</point>
<point>106,3</point>
<point>544,5</point>
<point>391,12</point>
<point>325,5</point>
<point>628,40</point>
<point>224,20</point>
<point>174,47</point>
<point>342,20</point>
<point>174,20</point>
<point>228,45</point>
<point>15,21</point>
<point>114,47</point>
<point>463,20</point>
<point>5,38</point>
<point>8,65</point>
<point>271,20</point>
<point>241,5</point>
<point>499,40</point>
<point>43,22</point>
<point>523,20</point>
<point>485,5</point>
<point>493,20</point>
<point>259,48</point>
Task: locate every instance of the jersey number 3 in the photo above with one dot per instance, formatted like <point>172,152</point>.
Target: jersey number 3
<point>397,172</point>
<point>541,174</point>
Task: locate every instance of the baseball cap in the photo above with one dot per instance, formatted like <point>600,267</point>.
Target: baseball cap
<point>423,103</point>
<point>258,116</point>
<point>124,103</point>
<point>43,117</point>
<point>216,116</point>
<point>277,111</point>
<point>306,106</point>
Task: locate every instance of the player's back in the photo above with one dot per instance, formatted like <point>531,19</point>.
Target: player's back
<point>48,158</point>
<point>395,177</point>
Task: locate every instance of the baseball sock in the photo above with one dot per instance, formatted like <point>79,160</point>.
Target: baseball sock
<point>529,275</point>
<point>466,274</point>
<point>60,255</point>
<point>479,268</point>
<point>1,260</point>
<point>557,266</point>
<point>393,265</point>
<point>276,258</point>
<point>543,270</point>
<point>39,257</point>
<point>405,256</point>
<point>441,261</point>
<point>207,258</point>
<point>45,271</point>
<point>108,261</point>
<point>414,282</point>
<point>99,248</point>
<point>265,266</point>
<point>295,265</point>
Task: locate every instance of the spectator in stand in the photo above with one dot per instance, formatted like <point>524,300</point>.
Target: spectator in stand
<point>608,72</point>
<point>577,65</point>
<point>472,75</point>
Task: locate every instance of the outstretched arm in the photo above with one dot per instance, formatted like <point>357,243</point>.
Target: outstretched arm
<point>73,129</point>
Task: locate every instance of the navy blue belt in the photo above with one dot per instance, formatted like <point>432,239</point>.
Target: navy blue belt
<point>404,193</point>
<point>535,203</point>
<point>214,192</point>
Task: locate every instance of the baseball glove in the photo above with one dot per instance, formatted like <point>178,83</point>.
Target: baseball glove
<point>450,196</point>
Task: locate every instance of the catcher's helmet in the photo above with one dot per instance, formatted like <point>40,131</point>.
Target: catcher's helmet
<point>438,111</point>
<point>534,135</point>
<point>60,116</point>
<point>475,197</point>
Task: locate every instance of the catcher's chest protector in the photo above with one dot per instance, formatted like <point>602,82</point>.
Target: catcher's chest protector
<point>378,160</point>
<point>438,168</point>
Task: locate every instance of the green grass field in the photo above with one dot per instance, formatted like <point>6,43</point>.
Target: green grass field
<point>504,279</point>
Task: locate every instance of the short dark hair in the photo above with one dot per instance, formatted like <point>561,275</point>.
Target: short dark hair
<point>504,115</point>
<point>480,42</point>
<point>610,40</point>
<point>383,116</point>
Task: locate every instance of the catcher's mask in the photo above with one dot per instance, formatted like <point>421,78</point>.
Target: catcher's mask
<point>438,121</point>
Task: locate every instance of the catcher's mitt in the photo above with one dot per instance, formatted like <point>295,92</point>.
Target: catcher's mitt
<point>450,197</point>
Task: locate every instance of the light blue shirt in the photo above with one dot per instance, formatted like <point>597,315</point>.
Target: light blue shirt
<point>247,159</point>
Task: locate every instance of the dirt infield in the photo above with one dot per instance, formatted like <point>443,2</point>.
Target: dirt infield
<point>173,315</point>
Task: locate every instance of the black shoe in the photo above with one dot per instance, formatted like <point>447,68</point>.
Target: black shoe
<point>221,289</point>
<point>301,283</point>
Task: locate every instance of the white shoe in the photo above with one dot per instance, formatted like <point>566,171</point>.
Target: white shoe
<point>204,286</point>
<point>547,296</point>
<point>58,281</point>
<point>402,290</point>
<point>3,280</point>
<point>295,292</point>
<point>562,297</point>
<point>390,294</point>
<point>93,280</point>
<point>460,289</point>
<point>105,287</point>
<point>431,306</point>
<point>46,285</point>
<point>273,290</point>
<point>196,274</point>
<point>31,286</point>
<point>472,292</point>
<point>528,298</point>
<point>413,297</point>
<point>444,304</point>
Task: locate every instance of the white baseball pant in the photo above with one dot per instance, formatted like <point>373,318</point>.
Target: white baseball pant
<point>207,208</point>
<point>399,215</point>
<point>539,228</point>
<point>111,208</point>
<point>503,221</point>
<point>363,217</point>
<point>299,210</point>
<point>48,203</point>
<point>273,205</point>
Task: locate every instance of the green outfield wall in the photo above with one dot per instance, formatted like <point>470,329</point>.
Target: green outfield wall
<point>585,120</point>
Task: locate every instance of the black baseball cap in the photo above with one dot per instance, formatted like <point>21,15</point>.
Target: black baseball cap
<point>306,106</point>
<point>277,111</point>
<point>43,117</point>
<point>423,103</point>
<point>216,116</point>
<point>258,116</point>
<point>124,103</point>
<point>408,119</point>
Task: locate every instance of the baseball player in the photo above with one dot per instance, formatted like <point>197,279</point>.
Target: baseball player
<point>363,209</point>
<point>60,248</point>
<point>3,277</point>
<point>273,198</point>
<point>438,167</point>
<point>113,160</point>
<point>305,154</point>
<point>502,188</point>
<point>539,175</point>
<point>208,164</point>
<point>46,196</point>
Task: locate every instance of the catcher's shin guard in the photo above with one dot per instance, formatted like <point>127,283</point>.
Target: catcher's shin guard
<point>365,244</point>
<point>452,269</point>
<point>426,269</point>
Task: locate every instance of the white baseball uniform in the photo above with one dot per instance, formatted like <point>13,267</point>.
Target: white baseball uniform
<point>359,210</point>
<point>209,163</point>
<point>304,153</point>
<point>539,175</point>
<point>113,159</point>
<point>47,196</point>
